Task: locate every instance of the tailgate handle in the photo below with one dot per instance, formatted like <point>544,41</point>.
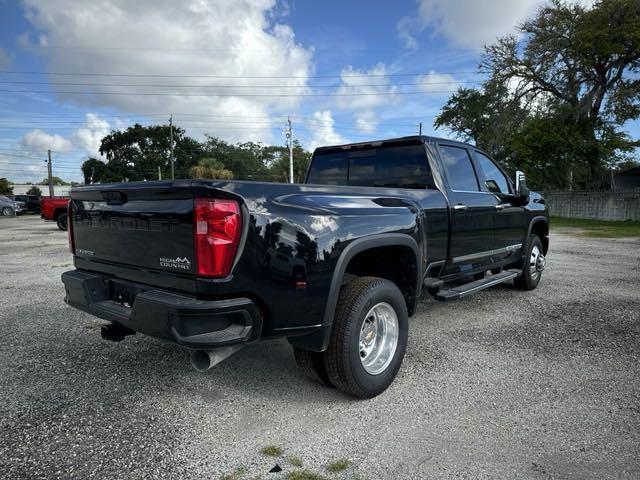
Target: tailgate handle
<point>114,198</point>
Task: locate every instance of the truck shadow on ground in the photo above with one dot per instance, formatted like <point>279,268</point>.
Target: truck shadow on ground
<point>264,370</point>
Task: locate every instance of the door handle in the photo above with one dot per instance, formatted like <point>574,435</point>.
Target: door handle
<point>500,207</point>
<point>460,207</point>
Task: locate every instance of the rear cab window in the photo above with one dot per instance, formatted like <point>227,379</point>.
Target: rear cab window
<point>401,166</point>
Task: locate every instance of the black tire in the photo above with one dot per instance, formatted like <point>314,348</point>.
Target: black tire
<point>61,221</point>
<point>312,364</point>
<point>7,211</point>
<point>342,358</point>
<point>529,280</point>
<point>496,271</point>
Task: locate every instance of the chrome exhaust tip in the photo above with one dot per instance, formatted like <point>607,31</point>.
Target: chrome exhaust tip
<point>203,360</point>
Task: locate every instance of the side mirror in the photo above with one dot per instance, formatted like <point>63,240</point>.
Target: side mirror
<point>522,190</point>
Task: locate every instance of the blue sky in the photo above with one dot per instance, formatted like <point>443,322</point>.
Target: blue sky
<point>344,71</point>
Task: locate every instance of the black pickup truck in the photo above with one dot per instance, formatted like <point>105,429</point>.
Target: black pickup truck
<point>335,265</point>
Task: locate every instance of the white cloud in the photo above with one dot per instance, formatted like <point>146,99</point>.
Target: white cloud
<point>407,28</point>
<point>366,121</point>
<point>468,23</point>
<point>39,141</point>
<point>323,130</point>
<point>232,38</point>
<point>437,82</point>
<point>89,137</point>
<point>85,138</point>
<point>376,89</point>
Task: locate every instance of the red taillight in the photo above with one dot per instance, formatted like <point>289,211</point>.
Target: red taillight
<point>217,231</point>
<point>72,243</point>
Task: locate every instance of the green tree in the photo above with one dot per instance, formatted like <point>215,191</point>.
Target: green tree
<point>94,171</point>
<point>486,117</point>
<point>210,168</point>
<point>246,160</point>
<point>279,163</point>
<point>5,187</point>
<point>54,180</point>
<point>34,190</point>
<point>572,72</point>
<point>137,152</point>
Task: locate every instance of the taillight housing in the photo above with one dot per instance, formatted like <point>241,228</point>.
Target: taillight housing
<point>217,231</point>
<point>72,243</point>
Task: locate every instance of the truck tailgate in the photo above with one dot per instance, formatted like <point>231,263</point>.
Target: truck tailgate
<point>146,227</point>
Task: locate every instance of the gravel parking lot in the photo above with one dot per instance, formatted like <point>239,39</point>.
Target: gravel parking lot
<point>504,384</point>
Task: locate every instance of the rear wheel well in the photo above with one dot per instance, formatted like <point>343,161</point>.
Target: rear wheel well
<point>541,229</point>
<point>395,263</point>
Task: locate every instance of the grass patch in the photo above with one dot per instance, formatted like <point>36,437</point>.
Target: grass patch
<point>304,475</point>
<point>598,228</point>
<point>295,461</point>
<point>272,451</point>
<point>237,474</point>
<point>339,465</point>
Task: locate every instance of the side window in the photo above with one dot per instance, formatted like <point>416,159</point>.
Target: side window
<point>495,181</point>
<point>460,172</point>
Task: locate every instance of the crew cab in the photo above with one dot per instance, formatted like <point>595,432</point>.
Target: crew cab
<point>335,265</point>
<point>55,208</point>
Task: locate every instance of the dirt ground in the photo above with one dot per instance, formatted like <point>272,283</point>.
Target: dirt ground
<point>504,384</point>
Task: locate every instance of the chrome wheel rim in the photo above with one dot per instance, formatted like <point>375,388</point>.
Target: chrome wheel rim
<point>536,262</point>
<point>378,338</point>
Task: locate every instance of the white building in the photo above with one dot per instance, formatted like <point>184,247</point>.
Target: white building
<point>58,190</point>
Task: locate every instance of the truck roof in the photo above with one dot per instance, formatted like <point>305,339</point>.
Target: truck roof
<point>377,143</point>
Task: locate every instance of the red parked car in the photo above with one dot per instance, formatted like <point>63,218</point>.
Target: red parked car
<point>55,208</point>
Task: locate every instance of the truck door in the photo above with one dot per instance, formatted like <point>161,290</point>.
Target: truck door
<point>472,212</point>
<point>509,217</point>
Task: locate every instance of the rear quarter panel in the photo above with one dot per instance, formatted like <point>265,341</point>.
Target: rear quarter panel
<point>298,232</point>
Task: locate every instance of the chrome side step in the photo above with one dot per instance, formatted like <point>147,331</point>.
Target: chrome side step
<point>470,288</point>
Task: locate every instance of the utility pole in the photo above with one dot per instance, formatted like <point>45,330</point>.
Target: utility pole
<point>420,129</point>
<point>159,173</point>
<point>173,175</point>
<point>50,174</point>
<point>289,135</point>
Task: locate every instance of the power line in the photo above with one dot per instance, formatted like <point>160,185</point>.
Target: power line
<point>212,129</point>
<point>68,166</point>
<point>154,85</point>
<point>281,118</point>
<point>21,156</point>
<point>173,94</point>
<point>193,122</point>
<point>235,77</point>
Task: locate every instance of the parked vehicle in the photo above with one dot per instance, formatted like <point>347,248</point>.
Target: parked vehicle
<point>9,207</point>
<point>335,265</point>
<point>55,208</point>
<point>32,202</point>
